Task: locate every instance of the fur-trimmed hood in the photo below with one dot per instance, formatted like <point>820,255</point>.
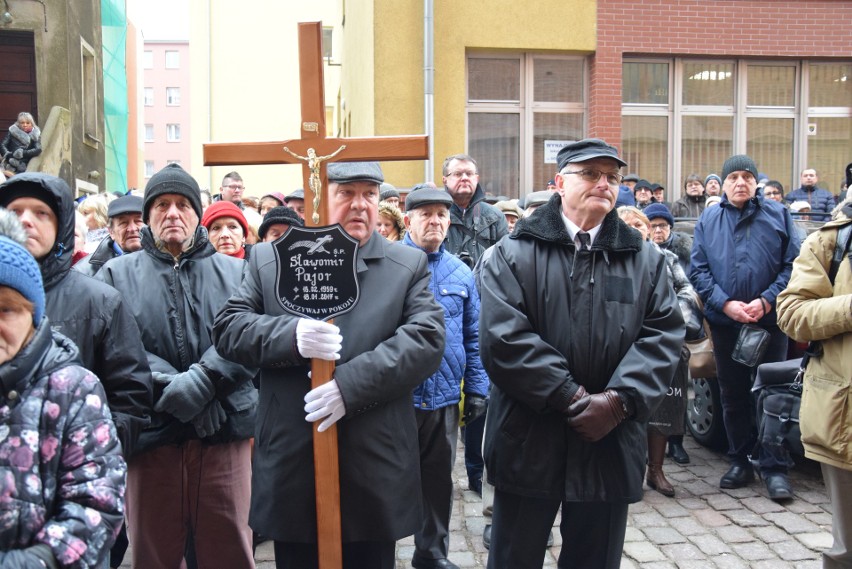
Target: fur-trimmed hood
<point>546,224</point>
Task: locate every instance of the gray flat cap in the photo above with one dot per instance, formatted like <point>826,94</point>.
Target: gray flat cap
<point>537,198</point>
<point>295,195</point>
<point>125,204</point>
<point>348,172</point>
<point>427,196</point>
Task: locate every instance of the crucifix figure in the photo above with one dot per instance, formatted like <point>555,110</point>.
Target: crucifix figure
<point>315,182</point>
<point>314,151</point>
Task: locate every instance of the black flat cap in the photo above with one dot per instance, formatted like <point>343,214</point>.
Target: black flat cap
<point>427,196</point>
<point>125,204</point>
<point>642,184</point>
<point>587,149</point>
<point>348,172</point>
<point>295,195</point>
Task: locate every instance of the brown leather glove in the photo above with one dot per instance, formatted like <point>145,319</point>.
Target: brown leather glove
<point>593,417</point>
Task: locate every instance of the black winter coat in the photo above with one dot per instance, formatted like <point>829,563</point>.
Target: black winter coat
<point>393,339</point>
<point>475,229</point>
<point>553,318</point>
<point>174,304</point>
<point>95,318</point>
<point>91,264</point>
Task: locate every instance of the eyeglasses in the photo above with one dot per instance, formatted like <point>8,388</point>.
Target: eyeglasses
<point>594,175</point>
<point>235,187</point>
<point>461,174</point>
<point>659,226</point>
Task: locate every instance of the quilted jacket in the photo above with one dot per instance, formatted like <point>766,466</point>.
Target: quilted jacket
<point>62,475</point>
<point>454,289</point>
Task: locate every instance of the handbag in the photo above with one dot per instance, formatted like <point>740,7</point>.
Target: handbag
<point>702,363</point>
<point>750,346</point>
<point>778,387</point>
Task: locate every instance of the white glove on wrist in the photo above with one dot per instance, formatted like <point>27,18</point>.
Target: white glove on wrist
<point>324,402</point>
<point>317,339</point>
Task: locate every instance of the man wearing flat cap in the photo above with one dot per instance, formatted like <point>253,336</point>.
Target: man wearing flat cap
<point>125,221</point>
<point>295,200</point>
<point>742,258</point>
<point>195,455</point>
<point>580,336</point>
<point>436,400</point>
<point>390,342</point>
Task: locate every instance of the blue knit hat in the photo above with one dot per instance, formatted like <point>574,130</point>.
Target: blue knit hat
<point>656,210</point>
<point>18,269</point>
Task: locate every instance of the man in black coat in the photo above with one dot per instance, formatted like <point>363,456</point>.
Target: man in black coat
<point>125,221</point>
<point>384,347</point>
<point>580,334</point>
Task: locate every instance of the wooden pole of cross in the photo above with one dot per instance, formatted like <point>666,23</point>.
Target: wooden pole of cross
<point>313,151</point>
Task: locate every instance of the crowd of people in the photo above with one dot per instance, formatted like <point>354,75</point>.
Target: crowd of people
<point>146,353</point>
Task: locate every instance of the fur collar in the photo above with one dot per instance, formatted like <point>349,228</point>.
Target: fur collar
<point>546,224</point>
<point>23,137</point>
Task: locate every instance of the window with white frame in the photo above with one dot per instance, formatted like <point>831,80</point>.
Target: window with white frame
<point>148,59</point>
<point>173,132</point>
<point>521,108</point>
<point>172,59</point>
<point>149,133</point>
<point>89,96</point>
<point>149,96</point>
<point>684,116</point>
<point>149,168</point>
<point>173,96</point>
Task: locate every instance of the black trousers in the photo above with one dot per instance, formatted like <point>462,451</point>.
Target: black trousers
<point>356,555</point>
<point>592,533</point>
<point>437,435</point>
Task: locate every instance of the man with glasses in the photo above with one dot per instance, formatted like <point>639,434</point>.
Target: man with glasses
<point>773,190</point>
<point>232,189</point>
<point>580,333</point>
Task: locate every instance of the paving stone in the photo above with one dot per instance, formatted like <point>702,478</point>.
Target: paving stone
<point>643,552</point>
<point>710,544</point>
<point>664,536</point>
<point>735,534</point>
<point>792,523</point>
<point>754,551</point>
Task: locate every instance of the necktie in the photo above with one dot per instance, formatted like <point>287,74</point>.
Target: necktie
<point>585,240</point>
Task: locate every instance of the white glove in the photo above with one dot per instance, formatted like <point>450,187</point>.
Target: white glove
<point>318,339</point>
<point>324,402</point>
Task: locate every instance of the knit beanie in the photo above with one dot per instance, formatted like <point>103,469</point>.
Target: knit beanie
<point>712,177</point>
<point>656,210</point>
<point>739,162</point>
<point>172,180</point>
<point>281,214</point>
<point>224,209</point>
<point>18,269</point>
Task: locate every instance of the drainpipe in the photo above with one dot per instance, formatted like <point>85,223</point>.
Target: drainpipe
<point>429,84</point>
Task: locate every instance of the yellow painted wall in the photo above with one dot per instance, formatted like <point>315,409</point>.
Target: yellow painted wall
<point>245,82</point>
<point>356,81</point>
<point>556,26</point>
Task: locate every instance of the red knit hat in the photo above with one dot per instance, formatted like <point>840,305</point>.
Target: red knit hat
<point>224,209</point>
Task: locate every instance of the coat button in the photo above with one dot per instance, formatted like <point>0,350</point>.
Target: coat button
<point>13,395</point>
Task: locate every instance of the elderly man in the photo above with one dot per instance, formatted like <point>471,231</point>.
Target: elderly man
<point>580,334</point>
<point>195,456</point>
<point>741,260</point>
<point>384,347</point>
<point>820,200</point>
<point>295,200</point>
<point>232,189</point>
<point>125,221</point>
<point>643,194</point>
<point>436,399</point>
<point>713,185</point>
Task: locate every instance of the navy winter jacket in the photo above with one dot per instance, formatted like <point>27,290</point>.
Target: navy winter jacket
<point>742,254</point>
<point>453,286</point>
<point>821,201</point>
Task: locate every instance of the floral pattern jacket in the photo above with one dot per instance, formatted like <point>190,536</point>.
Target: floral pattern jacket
<point>62,475</point>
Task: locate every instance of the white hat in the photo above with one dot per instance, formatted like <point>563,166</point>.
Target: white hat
<point>800,206</point>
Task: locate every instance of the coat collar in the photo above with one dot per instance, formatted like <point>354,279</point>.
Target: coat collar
<point>546,225</point>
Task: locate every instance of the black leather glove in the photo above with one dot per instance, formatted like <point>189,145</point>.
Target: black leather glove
<point>474,408</point>
<point>593,417</point>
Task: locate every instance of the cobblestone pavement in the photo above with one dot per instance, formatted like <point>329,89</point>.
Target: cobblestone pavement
<point>701,527</point>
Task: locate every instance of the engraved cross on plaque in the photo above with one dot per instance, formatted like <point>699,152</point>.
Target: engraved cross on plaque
<point>313,151</point>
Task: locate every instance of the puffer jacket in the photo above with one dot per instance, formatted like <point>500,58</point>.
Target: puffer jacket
<point>554,318</point>
<point>810,308</point>
<point>822,201</point>
<point>62,475</point>
<point>174,302</point>
<point>454,289</point>
<point>742,254</point>
<point>94,317</point>
<point>474,229</point>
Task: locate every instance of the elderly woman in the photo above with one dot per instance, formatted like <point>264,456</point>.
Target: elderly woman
<point>227,229</point>
<point>62,475</point>
<point>390,224</point>
<point>668,419</point>
<point>21,144</point>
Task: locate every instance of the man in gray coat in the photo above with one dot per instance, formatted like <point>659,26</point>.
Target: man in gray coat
<point>385,346</point>
<point>580,333</point>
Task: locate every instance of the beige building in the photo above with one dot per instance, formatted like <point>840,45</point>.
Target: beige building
<point>245,81</point>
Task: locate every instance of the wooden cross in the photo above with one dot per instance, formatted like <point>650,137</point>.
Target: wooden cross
<point>313,151</point>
